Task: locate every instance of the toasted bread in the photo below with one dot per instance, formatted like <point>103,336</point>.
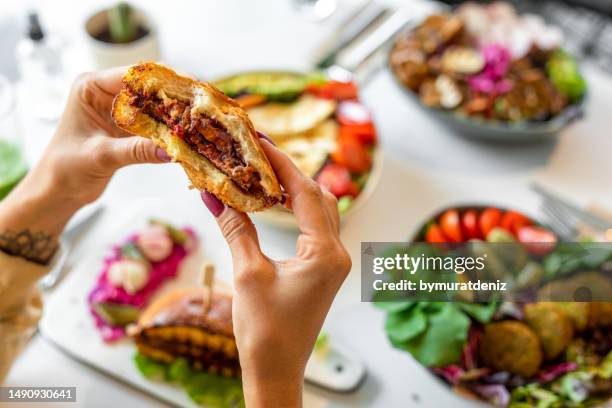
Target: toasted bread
<point>154,79</point>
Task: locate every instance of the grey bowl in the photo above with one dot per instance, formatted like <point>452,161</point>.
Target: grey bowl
<point>500,131</point>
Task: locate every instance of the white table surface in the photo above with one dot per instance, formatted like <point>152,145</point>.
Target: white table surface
<point>426,167</point>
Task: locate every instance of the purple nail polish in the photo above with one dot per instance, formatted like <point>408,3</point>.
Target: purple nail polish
<point>214,205</point>
<point>162,155</point>
<point>266,137</point>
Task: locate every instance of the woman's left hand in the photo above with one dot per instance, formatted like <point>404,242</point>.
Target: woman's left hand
<point>77,164</point>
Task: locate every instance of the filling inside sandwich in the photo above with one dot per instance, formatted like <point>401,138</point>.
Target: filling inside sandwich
<point>206,351</point>
<point>204,135</point>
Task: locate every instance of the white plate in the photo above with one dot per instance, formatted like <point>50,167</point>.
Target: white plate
<point>278,216</point>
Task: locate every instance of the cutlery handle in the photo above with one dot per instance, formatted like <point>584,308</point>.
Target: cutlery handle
<point>359,54</point>
<point>376,39</point>
<point>363,19</point>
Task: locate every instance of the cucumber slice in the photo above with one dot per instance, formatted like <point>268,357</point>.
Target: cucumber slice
<point>275,86</point>
<point>117,314</point>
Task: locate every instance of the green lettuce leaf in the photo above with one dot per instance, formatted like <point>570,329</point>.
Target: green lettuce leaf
<point>483,312</point>
<point>394,306</point>
<point>406,325</point>
<point>203,388</point>
<point>443,341</point>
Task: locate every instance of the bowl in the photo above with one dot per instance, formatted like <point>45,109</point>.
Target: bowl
<point>490,129</point>
<point>461,389</point>
<point>499,131</point>
<point>278,215</point>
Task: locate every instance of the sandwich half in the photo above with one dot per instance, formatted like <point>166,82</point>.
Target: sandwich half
<point>202,129</point>
<point>177,325</point>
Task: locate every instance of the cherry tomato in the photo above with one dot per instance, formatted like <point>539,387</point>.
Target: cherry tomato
<point>353,113</point>
<point>512,221</point>
<point>469,225</point>
<point>451,225</point>
<point>351,154</point>
<point>334,90</point>
<point>337,180</point>
<point>434,235</point>
<point>364,133</point>
<point>537,240</point>
<point>489,219</point>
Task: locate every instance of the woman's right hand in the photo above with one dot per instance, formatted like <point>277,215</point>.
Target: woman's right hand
<point>279,305</point>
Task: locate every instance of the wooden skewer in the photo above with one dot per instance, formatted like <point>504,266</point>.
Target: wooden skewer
<point>208,277</point>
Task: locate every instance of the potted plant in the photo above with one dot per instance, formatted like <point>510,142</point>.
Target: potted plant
<point>121,35</point>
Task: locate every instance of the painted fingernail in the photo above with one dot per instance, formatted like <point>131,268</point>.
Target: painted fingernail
<point>266,138</point>
<point>283,198</point>
<point>214,205</point>
<point>162,155</point>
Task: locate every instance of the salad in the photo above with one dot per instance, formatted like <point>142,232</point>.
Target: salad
<point>133,272</point>
<point>487,62</point>
<point>317,121</point>
<point>508,353</point>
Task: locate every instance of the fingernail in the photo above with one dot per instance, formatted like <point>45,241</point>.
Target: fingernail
<point>162,155</point>
<point>214,205</point>
<point>283,198</point>
<point>266,138</point>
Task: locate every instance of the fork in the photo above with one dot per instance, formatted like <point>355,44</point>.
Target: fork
<point>569,221</point>
<point>564,224</point>
<point>65,246</point>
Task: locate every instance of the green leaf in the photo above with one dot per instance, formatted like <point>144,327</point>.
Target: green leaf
<point>605,367</point>
<point>214,390</point>
<point>535,396</point>
<point>149,368</point>
<point>322,347</point>
<point>574,386</point>
<point>344,204</point>
<point>394,306</point>
<point>443,341</point>
<point>203,388</point>
<point>565,75</point>
<point>405,325</point>
<point>178,236</point>
<point>483,312</point>
<point>130,250</point>
<point>179,370</point>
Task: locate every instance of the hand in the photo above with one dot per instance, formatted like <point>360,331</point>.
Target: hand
<point>77,164</point>
<point>279,306</point>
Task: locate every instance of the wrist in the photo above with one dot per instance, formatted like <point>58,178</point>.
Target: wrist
<point>261,390</point>
<point>36,213</point>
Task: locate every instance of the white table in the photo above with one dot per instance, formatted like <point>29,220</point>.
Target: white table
<point>426,167</point>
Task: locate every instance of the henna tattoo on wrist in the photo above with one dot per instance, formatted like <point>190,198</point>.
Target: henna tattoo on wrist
<point>36,247</point>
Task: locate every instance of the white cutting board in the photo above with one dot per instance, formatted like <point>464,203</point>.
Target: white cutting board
<point>67,321</point>
<point>68,324</point>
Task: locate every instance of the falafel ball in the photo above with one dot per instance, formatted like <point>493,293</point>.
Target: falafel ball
<point>510,346</point>
<point>552,325</point>
<point>600,314</point>
<point>578,312</point>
